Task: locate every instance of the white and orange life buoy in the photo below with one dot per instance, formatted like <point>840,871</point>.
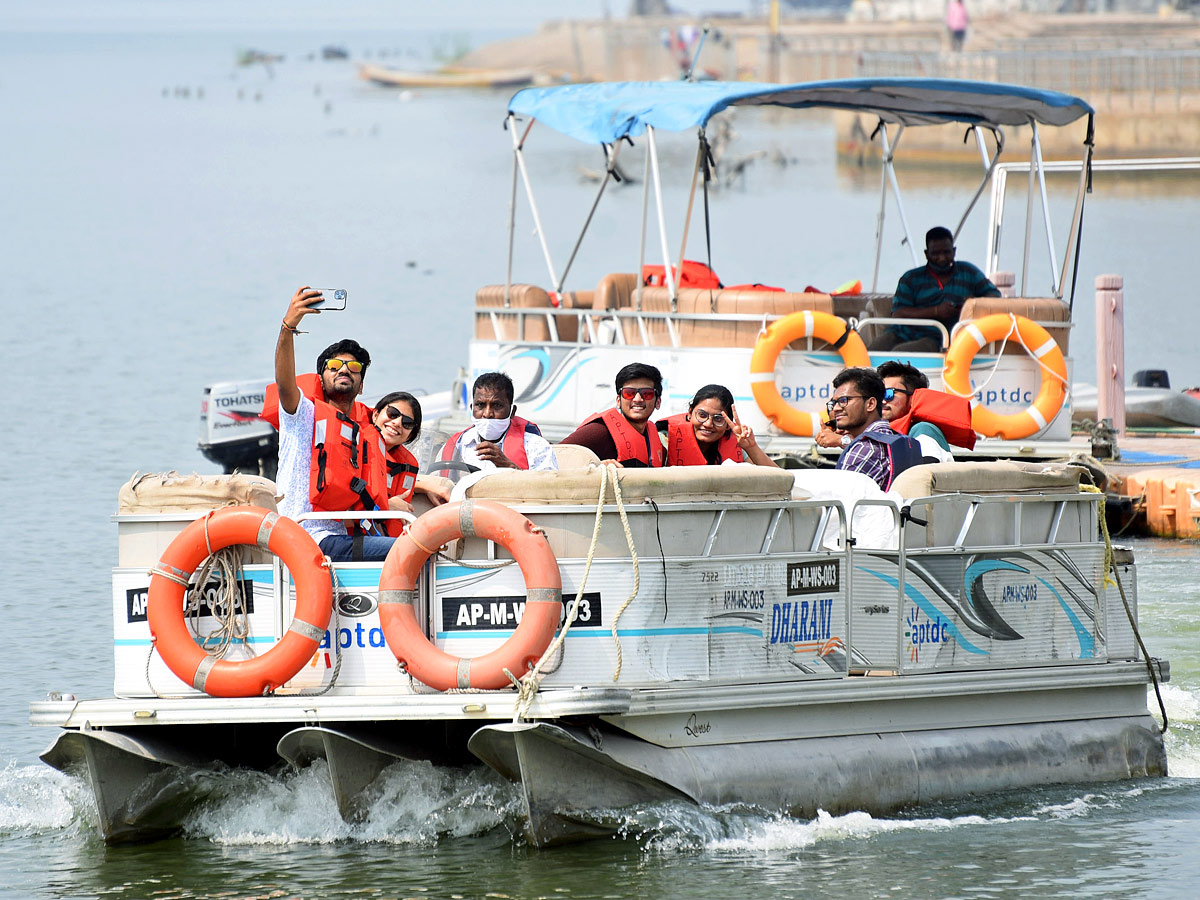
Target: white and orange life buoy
<point>397,586</point>
<point>168,585</point>
<point>802,324</point>
<point>956,374</point>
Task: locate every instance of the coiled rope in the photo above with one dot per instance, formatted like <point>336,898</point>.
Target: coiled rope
<point>530,683</point>
<point>1110,566</point>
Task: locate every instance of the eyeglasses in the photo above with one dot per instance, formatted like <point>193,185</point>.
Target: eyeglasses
<point>334,365</point>
<point>889,393</point>
<point>718,419</point>
<point>646,394</point>
<point>842,401</point>
<point>393,413</point>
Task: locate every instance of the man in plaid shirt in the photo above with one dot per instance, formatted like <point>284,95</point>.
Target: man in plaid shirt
<point>872,448</point>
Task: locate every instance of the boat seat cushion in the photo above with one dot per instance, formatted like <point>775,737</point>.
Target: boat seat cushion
<point>670,485</point>
<point>1043,310</point>
<point>523,296</point>
<point>988,479</point>
<point>170,492</point>
<point>573,456</point>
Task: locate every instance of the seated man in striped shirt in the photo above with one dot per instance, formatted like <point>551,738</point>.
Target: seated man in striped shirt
<point>871,447</point>
<point>936,290</point>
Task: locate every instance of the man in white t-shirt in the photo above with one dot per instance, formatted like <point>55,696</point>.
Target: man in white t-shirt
<point>341,368</point>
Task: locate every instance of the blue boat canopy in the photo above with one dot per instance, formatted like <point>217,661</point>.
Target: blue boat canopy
<point>606,112</point>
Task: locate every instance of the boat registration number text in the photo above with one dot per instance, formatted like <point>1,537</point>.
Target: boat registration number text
<point>485,613</point>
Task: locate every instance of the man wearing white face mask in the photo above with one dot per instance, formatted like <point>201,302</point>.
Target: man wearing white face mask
<point>498,439</point>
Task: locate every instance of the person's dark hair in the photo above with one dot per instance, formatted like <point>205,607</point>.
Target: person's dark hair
<point>867,381</point>
<point>912,377</point>
<point>408,398</point>
<point>496,381</point>
<point>714,392</point>
<point>639,370</point>
<point>938,233</point>
<point>346,345</point>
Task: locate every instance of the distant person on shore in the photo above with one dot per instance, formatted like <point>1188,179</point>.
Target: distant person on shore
<point>956,23</point>
<point>709,433</point>
<point>936,290</point>
<point>498,439</point>
<point>624,434</point>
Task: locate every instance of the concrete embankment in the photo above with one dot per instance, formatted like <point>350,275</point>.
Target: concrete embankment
<point>1141,73</point>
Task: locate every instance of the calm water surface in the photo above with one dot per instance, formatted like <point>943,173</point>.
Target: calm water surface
<point>152,241</point>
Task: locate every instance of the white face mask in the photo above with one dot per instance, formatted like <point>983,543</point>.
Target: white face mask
<point>491,429</point>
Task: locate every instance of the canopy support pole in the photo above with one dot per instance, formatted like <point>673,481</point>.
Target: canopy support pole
<point>889,177</point>
<point>1085,174</point>
<point>989,166</point>
<point>687,220</point>
<point>610,156</point>
<point>637,297</point>
<point>518,147</point>
<point>1029,188</point>
<point>662,222</point>
<point>512,216</point>
<point>1041,175</point>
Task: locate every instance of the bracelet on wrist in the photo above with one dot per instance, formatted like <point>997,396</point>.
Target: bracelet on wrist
<point>291,328</point>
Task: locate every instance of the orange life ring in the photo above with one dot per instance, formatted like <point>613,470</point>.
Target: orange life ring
<point>805,323</point>
<point>169,577</point>
<point>956,374</point>
<point>397,586</point>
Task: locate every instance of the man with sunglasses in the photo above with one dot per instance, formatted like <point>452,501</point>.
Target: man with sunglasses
<point>936,419</point>
<point>624,434</point>
<point>874,448</point>
<point>498,439</point>
<point>331,457</point>
<point>936,290</point>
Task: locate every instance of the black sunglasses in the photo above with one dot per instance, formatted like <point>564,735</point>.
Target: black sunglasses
<point>393,413</point>
<point>889,393</point>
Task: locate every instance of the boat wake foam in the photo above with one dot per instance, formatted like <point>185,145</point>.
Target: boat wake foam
<point>413,803</point>
<point>35,799</point>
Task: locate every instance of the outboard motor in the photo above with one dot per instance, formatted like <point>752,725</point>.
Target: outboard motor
<point>231,432</point>
<point>1154,378</point>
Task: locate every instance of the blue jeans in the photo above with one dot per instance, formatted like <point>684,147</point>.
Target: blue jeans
<point>340,547</point>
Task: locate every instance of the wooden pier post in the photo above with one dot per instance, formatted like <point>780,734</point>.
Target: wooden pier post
<point>1110,351</point>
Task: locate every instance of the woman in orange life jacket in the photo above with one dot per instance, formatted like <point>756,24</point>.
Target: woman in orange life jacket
<point>397,416</point>
<point>709,432</point>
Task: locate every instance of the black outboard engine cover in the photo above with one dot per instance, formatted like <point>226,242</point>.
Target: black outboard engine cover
<point>1151,378</point>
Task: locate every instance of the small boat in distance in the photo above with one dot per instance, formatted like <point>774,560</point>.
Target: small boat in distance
<point>448,77</point>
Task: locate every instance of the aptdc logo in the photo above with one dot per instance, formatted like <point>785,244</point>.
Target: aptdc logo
<point>922,631</point>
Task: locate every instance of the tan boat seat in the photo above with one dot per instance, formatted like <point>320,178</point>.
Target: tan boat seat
<point>525,296</point>
<point>573,456</point>
<point>1040,309</point>
<point>988,479</point>
<point>675,484</point>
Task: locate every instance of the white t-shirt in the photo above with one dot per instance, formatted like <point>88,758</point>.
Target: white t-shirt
<point>295,469</point>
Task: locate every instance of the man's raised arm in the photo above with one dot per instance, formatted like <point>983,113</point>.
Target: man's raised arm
<point>285,352</point>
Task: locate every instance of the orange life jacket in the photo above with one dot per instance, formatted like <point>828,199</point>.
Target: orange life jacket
<point>694,274</point>
<point>348,461</point>
<point>684,450</point>
<point>513,446</point>
<point>631,445</point>
<point>949,413</point>
<point>402,471</point>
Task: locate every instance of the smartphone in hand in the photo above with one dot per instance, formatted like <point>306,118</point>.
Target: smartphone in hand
<point>331,298</point>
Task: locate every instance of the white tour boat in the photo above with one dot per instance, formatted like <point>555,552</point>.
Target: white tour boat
<point>606,638</point>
